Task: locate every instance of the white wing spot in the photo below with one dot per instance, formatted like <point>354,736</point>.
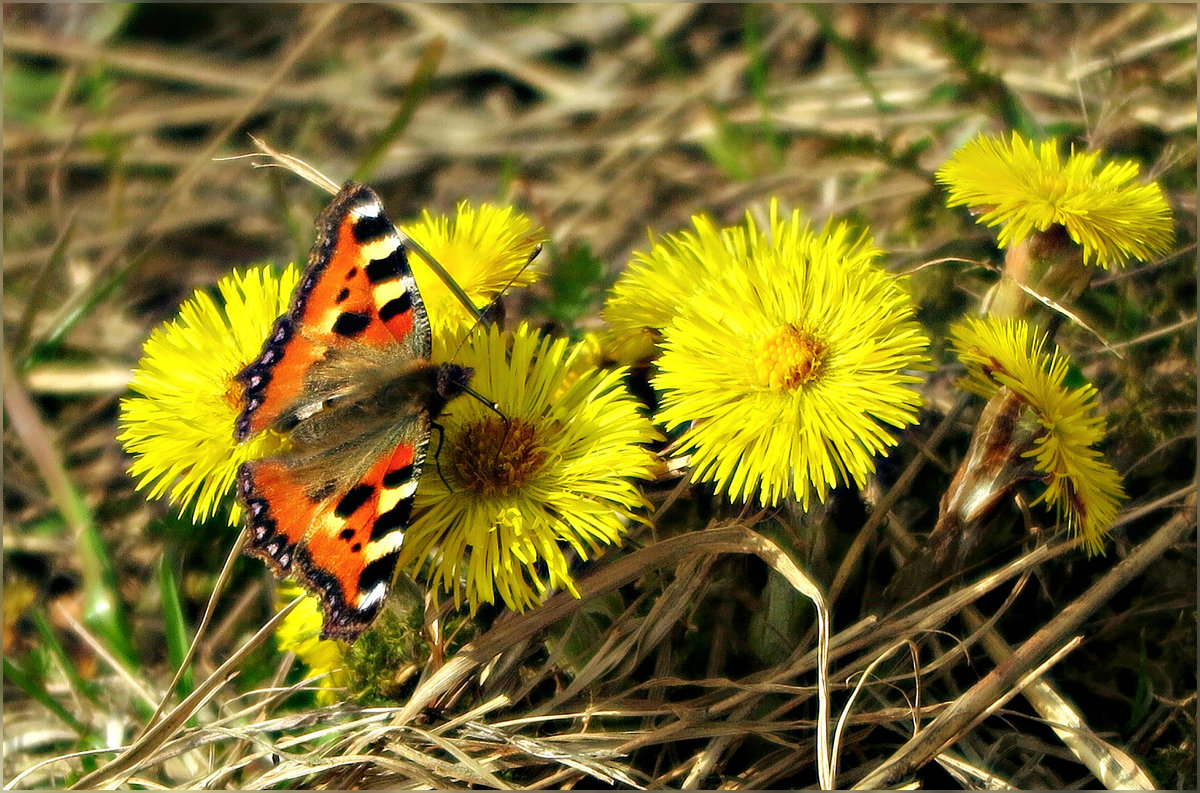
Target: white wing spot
<point>371,210</point>
<point>372,596</point>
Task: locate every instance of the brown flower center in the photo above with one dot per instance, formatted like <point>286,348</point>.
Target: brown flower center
<point>493,456</point>
<point>790,358</point>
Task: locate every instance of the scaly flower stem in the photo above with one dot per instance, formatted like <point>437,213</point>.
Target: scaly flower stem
<point>1047,263</point>
<point>992,469</point>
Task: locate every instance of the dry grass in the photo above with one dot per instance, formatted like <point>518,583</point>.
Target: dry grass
<point>719,649</point>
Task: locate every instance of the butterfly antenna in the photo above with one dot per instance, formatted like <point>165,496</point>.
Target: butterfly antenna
<point>441,273</point>
<point>486,316</point>
<point>441,432</point>
<point>286,161</point>
<point>537,249</point>
<point>487,403</point>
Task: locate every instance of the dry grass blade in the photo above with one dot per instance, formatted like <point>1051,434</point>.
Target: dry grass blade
<point>880,511</point>
<point>972,776</point>
<point>440,21</point>
<point>14,783</point>
<point>162,730</point>
<point>155,65</point>
<point>218,588</point>
<point>41,288</point>
<point>293,164</point>
<point>27,422</point>
<point>591,762</point>
<point>966,710</point>
<point>95,645</point>
<point>1114,768</point>
<point>1055,306</point>
<point>1182,33</point>
<point>867,634</point>
<point>106,270</point>
<point>734,539</point>
<point>862,679</point>
<point>1158,333</point>
<point>704,761</point>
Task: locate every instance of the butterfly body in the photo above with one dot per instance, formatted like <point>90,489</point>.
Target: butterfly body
<point>345,376</point>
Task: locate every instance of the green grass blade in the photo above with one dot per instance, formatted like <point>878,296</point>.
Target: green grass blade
<point>966,48</point>
<point>175,625</point>
<point>664,53</point>
<point>418,89</point>
<point>55,648</point>
<point>103,611</point>
<point>23,680</point>
<point>858,58</point>
<point>80,309</point>
<point>42,290</point>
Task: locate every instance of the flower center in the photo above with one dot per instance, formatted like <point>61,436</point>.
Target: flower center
<point>790,358</point>
<point>232,395</point>
<point>492,456</point>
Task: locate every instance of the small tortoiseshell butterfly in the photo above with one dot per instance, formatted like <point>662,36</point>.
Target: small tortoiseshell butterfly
<point>345,375</point>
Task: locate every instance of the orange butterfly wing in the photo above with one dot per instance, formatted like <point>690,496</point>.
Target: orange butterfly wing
<point>357,286</point>
<point>331,510</point>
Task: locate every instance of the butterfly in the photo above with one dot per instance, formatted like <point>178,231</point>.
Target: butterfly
<point>346,376</point>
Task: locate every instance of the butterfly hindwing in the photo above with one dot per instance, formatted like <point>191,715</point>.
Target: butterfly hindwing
<point>346,376</point>
<point>352,536</point>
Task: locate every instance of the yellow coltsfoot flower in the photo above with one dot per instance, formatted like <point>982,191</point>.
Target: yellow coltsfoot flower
<point>179,426</point>
<point>790,369</point>
<point>485,250</point>
<point>510,491</point>
<point>1081,486</point>
<point>1027,188</point>
<point>644,298</point>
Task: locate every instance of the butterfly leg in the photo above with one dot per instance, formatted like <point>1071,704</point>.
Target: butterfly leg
<point>437,453</point>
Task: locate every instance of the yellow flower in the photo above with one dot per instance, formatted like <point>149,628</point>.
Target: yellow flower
<point>587,356</point>
<point>789,368</point>
<point>648,292</point>
<point>300,633</point>
<point>1027,189</point>
<point>1084,489</point>
<point>179,426</point>
<point>484,250</point>
<point>556,469</point>
<point>643,300</point>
